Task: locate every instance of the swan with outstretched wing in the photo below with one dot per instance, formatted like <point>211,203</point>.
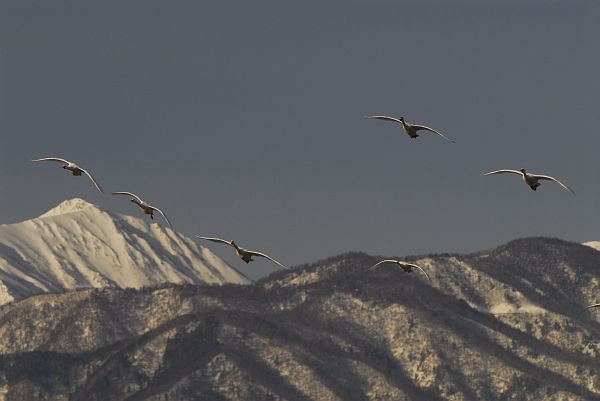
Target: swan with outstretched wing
<point>410,129</point>
<point>407,267</point>
<point>146,208</point>
<point>244,254</point>
<point>74,168</point>
<point>532,180</point>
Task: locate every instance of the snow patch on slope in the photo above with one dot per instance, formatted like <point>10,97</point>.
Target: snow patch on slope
<point>506,308</point>
<point>593,244</point>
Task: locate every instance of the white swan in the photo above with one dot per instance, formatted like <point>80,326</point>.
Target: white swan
<point>531,179</point>
<point>410,129</point>
<point>244,254</point>
<point>72,167</point>
<point>407,267</point>
<point>148,209</point>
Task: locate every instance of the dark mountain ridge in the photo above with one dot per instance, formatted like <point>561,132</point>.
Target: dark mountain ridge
<point>505,324</point>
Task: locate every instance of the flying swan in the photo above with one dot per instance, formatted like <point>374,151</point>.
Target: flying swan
<point>72,167</point>
<point>410,129</point>
<point>244,254</point>
<point>531,179</point>
<point>148,209</point>
<point>407,267</point>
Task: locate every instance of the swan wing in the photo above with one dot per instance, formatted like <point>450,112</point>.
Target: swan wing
<point>264,255</point>
<point>426,128</point>
<point>420,268</point>
<point>383,262</point>
<point>222,241</point>
<point>547,177</point>
<point>592,306</point>
<point>504,171</point>
<point>129,194</point>
<point>93,180</point>
<point>384,118</point>
<point>53,159</point>
<point>163,214</point>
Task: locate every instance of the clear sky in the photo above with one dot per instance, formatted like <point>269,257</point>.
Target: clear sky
<point>244,119</point>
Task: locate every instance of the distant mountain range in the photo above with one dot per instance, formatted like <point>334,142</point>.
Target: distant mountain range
<point>78,245</point>
<point>504,324</point>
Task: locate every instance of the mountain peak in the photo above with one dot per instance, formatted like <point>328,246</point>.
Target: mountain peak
<point>68,206</point>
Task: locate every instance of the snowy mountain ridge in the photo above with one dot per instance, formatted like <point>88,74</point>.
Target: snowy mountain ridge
<point>77,244</point>
<point>593,244</point>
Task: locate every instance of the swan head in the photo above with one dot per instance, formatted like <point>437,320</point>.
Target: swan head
<point>523,171</point>
<point>401,119</point>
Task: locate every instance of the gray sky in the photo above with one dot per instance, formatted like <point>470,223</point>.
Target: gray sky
<point>245,119</point>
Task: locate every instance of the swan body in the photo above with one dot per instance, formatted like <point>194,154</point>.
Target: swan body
<point>146,208</point>
<point>410,129</point>
<point>532,180</point>
<point>407,267</point>
<point>244,254</point>
<point>75,169</point>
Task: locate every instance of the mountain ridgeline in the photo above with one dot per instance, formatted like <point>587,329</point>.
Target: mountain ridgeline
<point>505,324</point>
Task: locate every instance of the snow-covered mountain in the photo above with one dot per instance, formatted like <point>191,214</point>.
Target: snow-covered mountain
<point>508,323</point>
<point>77,244</point>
